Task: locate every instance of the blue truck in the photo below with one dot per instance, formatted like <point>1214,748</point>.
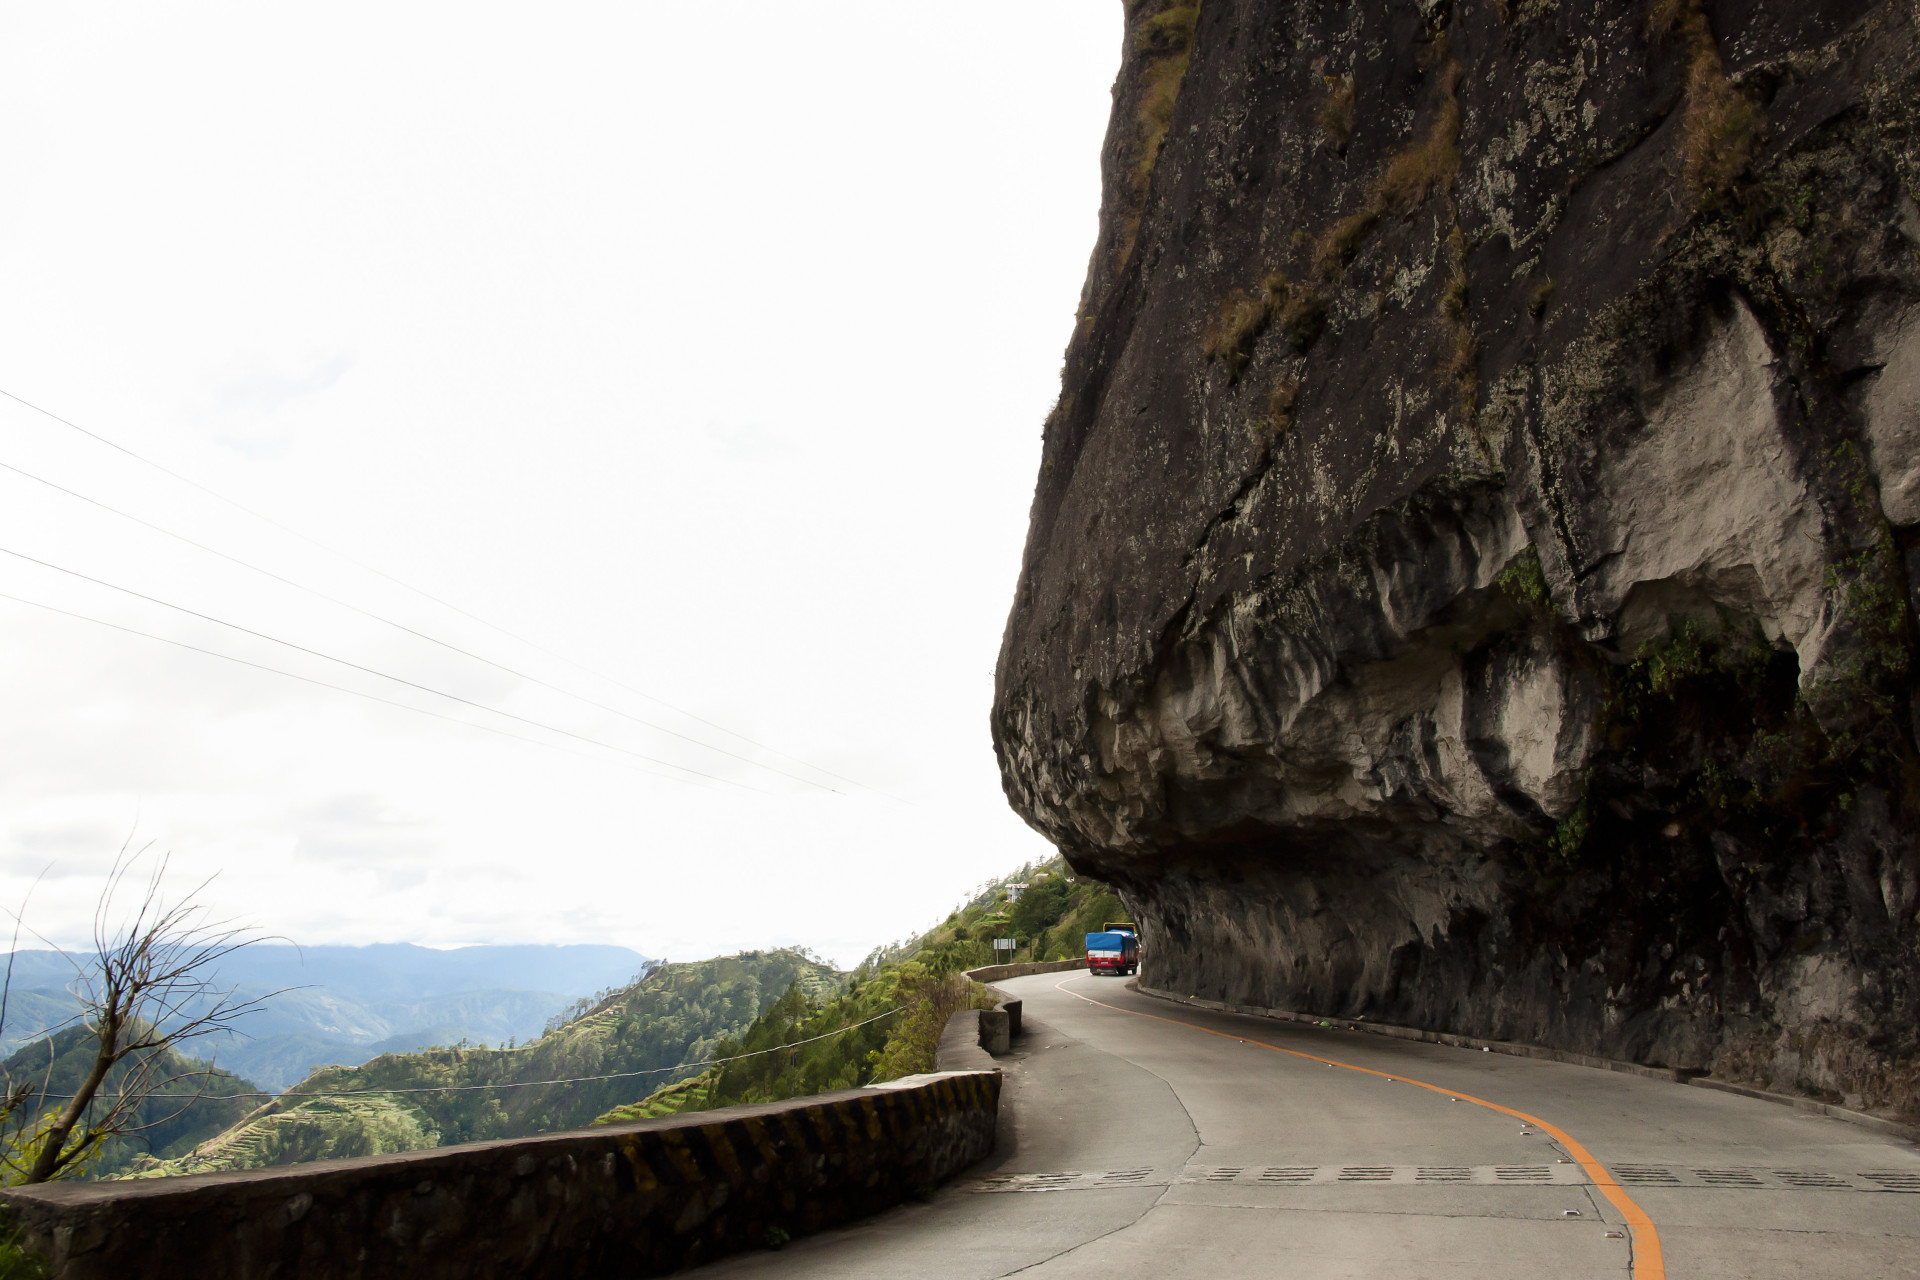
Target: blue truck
<point>1115,950</point>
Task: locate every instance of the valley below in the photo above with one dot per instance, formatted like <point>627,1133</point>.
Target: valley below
<point>319,1072</point>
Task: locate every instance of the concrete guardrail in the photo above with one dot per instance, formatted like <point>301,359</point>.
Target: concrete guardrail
<point>639,1199</point>
<point>1000,1024</point>
<point>1000,972</point>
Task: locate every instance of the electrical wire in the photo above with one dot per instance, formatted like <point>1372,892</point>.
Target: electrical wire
<point>411,684</point>
<point>401,626</point>
<point>338,688</point>
<point>515,1084</point>
<point>427,595</point>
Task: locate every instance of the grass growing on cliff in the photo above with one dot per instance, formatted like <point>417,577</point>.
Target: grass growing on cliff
<point>1720,126</point>
<point>1300,313</point>
<point>1463,356</point>
<point>1239,325</point>
<point>1336,114</point>
<point>1404,182</point>
<point>1280,404</point>
<point>1542,294</point>
<point>1163,44</point>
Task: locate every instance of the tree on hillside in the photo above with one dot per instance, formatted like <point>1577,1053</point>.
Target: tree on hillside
<point>930,994</point>
<point>163,1126</point>
<point>146,990</point>
<point>1039,908</point>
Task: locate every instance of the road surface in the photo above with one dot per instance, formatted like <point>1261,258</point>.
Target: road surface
<point>1151,1141</point>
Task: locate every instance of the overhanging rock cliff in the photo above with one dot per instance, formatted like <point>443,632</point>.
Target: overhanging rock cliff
<point>1472,571</point>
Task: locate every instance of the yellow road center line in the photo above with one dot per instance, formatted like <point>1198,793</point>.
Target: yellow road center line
<point>1648,1262</point>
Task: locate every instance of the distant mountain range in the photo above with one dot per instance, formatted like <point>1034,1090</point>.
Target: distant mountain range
<point>346,1005</point>
<point>614,1051</point>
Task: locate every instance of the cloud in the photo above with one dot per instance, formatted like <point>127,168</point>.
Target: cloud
<point>360,833</point>
<point>252,392</point>
<point>65,839</point>
<point>746,441</point>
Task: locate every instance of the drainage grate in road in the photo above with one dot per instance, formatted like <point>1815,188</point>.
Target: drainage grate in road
<point>1641,1175</point>
<point>1523,1173</point>
<point>1511,1175</point>
<point>1894,1181</point>
<point>1289,1176</point>
<point>1031,1181</point>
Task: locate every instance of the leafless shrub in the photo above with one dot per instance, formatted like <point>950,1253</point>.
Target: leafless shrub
<point>147,989</point>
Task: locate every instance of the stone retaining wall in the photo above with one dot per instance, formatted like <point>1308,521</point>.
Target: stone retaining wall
<point>639,1199</point>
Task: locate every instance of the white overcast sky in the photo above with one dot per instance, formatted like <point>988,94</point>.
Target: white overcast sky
<point>705,344</point>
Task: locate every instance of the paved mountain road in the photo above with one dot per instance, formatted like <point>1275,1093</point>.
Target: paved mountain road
<point>1140,1145</point>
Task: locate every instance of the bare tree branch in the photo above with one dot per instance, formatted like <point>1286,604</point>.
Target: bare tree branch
<point>149,988</point>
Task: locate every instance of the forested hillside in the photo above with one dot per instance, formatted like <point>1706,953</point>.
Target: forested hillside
<point>638,1035</point>
<point>917,979</point>
<point>788,1025</point>
<point>201,1100</point>
<point>1048,919</point>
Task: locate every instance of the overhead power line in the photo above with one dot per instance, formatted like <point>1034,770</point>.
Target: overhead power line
<point>401,626</point>
<point>325,684</point>
<point>327,657</point>
<point>429,596</point>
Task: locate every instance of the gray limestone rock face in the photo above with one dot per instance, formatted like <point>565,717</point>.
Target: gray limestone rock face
<point>1471,579</point>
